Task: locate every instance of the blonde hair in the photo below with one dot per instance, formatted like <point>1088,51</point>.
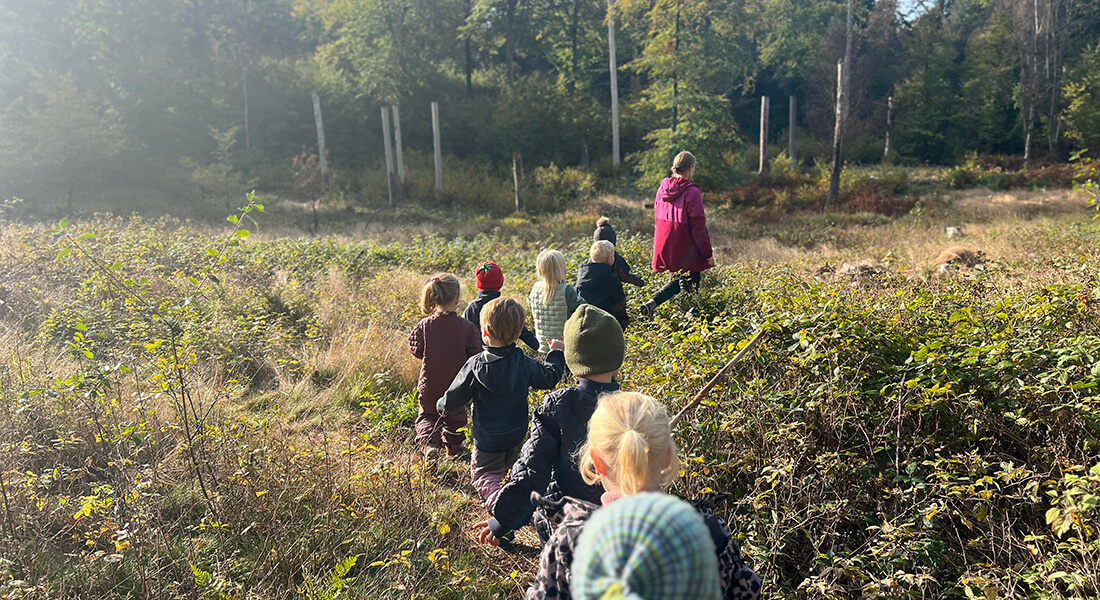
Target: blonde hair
<point>440,290</point>
<point>602,251</point>
<point>631,434</point>
<point>683,162</point>
<point>550,266</point>
<point>503,318</point>
<point>600,222</point>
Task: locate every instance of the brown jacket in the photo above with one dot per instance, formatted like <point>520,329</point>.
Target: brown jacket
<point>443,342</point>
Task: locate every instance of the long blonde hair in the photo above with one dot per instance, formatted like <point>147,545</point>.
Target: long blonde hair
<point>631,434</point>
<point>550,266</point>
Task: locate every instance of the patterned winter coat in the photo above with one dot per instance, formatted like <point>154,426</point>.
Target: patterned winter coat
<point>550,318</point>
<point>739,581</point>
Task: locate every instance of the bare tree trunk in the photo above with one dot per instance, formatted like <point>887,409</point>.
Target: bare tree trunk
<point>764,106</point>
<point>438,145</point>
<point>614,72</point>
<point>469,56</point>
<point>889,126</point>
<point>244,88</point>
<point>573,49</point>
<point>793,120</point>
<point>510,41</point>
<point>322,154</point>
<point>389,155</point>
<point>676,72</point>
<point>517,177</point>
<point>843,75</point>
<point>838,137</point>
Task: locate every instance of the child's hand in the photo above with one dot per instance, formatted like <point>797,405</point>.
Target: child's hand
<point>556,344</point>
<point>485,535</point>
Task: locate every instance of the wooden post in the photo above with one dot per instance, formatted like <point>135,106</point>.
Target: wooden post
<point>322,153</point>
<point>438,148</point>
<point>793,119</point>
<point>764,106</point>
<point>389,152</point>
<point>244,88</point>
<point>397,144</point>
<point>614,86</point>
<point>889,126</point>
<point>517,176</point>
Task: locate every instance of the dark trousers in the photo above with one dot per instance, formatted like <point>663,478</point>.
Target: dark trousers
<point>688,282</point>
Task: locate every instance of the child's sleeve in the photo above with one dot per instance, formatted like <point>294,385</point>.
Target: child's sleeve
<point>528,337</point>
<point>416,341</point>
<point>461,391</point>
<point>545,376</point>
<point>622,271</point>
<point>531,473</point>
<point>572,300</point>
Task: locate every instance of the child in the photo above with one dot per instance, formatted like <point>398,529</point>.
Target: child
<point>551,300</point>
<point>594,349</point>
<point>498,381</point>
<point>630,450</point>
<point>598,285</point>
<point>604,231</point>
<point>651,546</point>
<point>489,281</point>
<point>443,341</point>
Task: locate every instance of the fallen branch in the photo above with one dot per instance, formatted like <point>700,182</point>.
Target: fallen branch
<point>714,380</point>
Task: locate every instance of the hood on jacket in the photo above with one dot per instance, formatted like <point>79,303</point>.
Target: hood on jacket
<point>673,188</point>
<point>499,380</point>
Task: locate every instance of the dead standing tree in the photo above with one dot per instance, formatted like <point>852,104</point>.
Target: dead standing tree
<point>1040,30</point>
<point>843,77</point>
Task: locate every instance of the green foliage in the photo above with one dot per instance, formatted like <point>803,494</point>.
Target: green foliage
<point>1082,90</point>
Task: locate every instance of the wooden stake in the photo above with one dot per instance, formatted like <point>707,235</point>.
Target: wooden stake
<point>764,106</point>
<point>438,148</point>
<point>614,86</point>
<point>714,380</point>
<point>389,153</point>
<point>793,120</point>
<point>397,140</point>
<point>517,176</point>
<point>322,153</point>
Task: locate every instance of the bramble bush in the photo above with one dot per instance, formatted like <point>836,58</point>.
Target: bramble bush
<point>185,413</point>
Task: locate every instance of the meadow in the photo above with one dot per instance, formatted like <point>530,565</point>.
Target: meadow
<point>199,410</point>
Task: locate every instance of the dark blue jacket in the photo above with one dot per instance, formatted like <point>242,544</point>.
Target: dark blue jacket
<point>599,286</point>
<point>473,315</point>
<point>498,381</point>
<point>546,464</point>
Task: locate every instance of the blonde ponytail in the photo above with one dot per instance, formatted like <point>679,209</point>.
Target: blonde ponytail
<point>439,290</point>
<point>631,435</point>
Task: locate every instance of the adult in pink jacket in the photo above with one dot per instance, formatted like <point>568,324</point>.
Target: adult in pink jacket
<point>681,244</point>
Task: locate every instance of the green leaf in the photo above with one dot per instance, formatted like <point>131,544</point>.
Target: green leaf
<point>193,280</point>
<point>80,327</point>
<point>211,252</point>
<point>63,253</point>
<point>63,224</point>
<point>232,219</point>
<point>154,345</point>
<point>259,207</point>
<point>242,233</point>
<point>87,236</point>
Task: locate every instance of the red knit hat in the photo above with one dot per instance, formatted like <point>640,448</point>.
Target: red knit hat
<point>489,276</point>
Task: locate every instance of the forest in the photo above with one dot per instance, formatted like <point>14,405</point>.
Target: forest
<point>186,99</point>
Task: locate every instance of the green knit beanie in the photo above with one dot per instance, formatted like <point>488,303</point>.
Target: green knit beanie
<point>593,342</point>
<point>651,546</point>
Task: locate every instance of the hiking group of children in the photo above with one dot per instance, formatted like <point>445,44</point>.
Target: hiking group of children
<point>590,475</point>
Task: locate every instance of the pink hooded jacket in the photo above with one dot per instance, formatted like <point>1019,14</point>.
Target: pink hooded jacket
<point>680,238</point>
